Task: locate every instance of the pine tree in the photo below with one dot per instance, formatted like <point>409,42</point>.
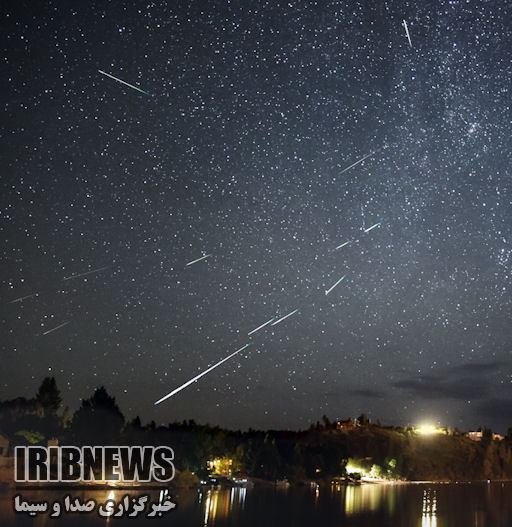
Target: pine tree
<point>98,419</point>
<point>48,395</point>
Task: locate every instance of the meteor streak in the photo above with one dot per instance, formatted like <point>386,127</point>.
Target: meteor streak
<point>55,329</point>
<point>123,82</point>
<point>286,316</point>
<point>86,273</point>
<point>197,377</point>
<point>372,227</point>
<point>343,245</point>
<point>262,326</point>
<point>21,298</point>
<point>360,161</point>
<point>199,259</point>
<point>338,282</point>
<point>407,33</point>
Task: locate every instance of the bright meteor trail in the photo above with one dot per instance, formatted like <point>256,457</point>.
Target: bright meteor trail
<point>123,82</point>
<point>199,259</point>
<point>343,245</point>
<point>407,33</point>
<point>197,377</point>
<point>262,326</point>
<point>286,316</point>
<point>55,329</point>
<point>372,227</point>
<point>338,282</point>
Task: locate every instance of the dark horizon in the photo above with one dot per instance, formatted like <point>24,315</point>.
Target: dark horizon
<point>374,419</point>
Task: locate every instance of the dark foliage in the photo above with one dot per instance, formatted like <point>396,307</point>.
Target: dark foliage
<point>320,453</point>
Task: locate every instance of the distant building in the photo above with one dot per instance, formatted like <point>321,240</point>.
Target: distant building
<point>349,424</point>
<point>477,435</point>
<point>221,467</point>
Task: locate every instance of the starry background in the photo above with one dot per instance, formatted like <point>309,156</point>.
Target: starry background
<point>255,110</point>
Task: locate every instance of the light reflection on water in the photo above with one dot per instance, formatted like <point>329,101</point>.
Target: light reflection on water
<point>110,497</point>
<point>429,513</point>
<point>368,505</point>
<point>220,503</point>
<point>366,498</point>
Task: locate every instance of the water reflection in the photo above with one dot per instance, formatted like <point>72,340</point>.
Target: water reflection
<point>220,503</point>
<point>382,498</point>
<point>372,505</point>
<point>110,510</point>
<point>429,508</point>
<point>366,498</point>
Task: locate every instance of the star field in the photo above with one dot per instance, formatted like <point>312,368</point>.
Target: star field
<point>255,111</point>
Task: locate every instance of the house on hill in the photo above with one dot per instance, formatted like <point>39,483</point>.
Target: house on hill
<point>477,435</point>
<point>349,424</point>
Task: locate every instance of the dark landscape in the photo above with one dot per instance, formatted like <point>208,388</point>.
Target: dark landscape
<point>345,449</point>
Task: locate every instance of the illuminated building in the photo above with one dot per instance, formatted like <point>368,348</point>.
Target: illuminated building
<point>221,466</point>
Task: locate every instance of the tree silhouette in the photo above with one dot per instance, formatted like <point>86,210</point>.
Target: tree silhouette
<point>363,420</point>
<point>48,395</point>
<point>98,420</point>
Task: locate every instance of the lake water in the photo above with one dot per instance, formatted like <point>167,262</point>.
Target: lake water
<point>408,505</point>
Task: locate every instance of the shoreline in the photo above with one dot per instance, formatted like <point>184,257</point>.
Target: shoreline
<point>11,486</point>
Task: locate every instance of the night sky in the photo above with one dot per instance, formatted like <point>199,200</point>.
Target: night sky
<point>254,111</point>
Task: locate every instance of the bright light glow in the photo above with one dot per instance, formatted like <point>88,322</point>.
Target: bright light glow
<point>427,429</point>
<point>351,469</point>
<point>221,467</point>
